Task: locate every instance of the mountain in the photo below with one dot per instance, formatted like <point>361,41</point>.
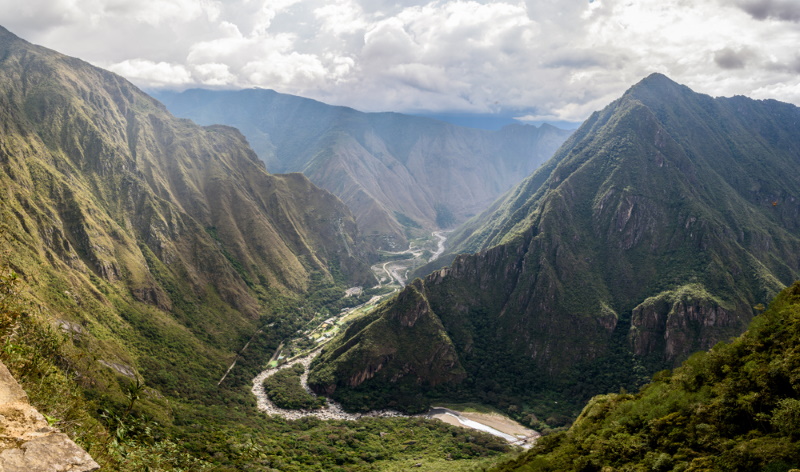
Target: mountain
<point>161,247</point>
<point>398,174</point>
<point>650,235</point>
<point>734,408</point>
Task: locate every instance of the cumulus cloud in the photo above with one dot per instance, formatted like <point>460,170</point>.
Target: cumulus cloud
<point>152,74</point>
<point>560,59</point>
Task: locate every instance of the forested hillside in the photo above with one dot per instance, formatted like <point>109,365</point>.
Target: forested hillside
<point>650,235</point>
<point>734,408</point>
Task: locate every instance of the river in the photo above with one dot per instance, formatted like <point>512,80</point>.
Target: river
<point>396,271</point>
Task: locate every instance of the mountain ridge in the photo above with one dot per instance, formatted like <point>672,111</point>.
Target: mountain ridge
<point>399,174</point>
<point>639,238</point>
<point>164,246</point>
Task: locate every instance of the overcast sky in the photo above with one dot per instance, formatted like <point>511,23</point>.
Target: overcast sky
<point>545,59</point>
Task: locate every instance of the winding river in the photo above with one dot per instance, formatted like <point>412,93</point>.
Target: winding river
<point>333,410</point>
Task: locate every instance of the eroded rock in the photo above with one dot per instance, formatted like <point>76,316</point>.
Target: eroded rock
<point>27,442</point>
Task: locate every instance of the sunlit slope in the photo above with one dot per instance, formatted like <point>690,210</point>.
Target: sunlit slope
<point>162,245</point>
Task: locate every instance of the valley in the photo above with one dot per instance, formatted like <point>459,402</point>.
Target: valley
<point>396,270</point>
<point>611,262</point>
<point>303,350</point>
<point>386,167</point>
<point>617,297</point>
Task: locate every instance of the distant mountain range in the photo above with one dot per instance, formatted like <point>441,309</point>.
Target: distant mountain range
<point>650,235</point>
<point>400,175</point>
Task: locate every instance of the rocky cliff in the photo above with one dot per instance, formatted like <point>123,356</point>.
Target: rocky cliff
<point>732,408</point>
<point>28,442</point>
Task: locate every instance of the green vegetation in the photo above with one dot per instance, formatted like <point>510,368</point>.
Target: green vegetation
<point>222,433</point>
<point>406,221</point>
<point>285,390</point>
<point>369,444</point>
<point>650,235</point>
<point>142,256</point>
<point>733,408</point>
<point>42,360</point>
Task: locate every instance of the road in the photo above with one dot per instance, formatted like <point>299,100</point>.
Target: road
<point>396,271</point>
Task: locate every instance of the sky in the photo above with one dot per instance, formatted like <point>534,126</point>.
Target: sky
<point>556,60</point>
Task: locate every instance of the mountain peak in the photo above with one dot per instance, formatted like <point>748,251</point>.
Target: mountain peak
<point>6,35</point>
<point>656,87</point>
<point>656,82</point>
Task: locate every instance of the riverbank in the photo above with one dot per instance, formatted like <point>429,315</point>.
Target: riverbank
<point>492,423</point>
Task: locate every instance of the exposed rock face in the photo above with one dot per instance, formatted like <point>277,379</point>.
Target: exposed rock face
<point>27,442</point>
<point>668,322</point>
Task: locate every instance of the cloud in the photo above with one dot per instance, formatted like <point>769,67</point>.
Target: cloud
<point>341,18</point>
<point>728,58</point>
<point>561,59</point>
<point>214,74</point>
<point>786,10</point>
<point>152,74</point>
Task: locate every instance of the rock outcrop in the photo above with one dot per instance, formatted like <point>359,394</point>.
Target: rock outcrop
<point>27,442</point>
<point>668,322</point>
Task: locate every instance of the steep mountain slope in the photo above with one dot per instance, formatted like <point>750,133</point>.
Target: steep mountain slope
<point>397,173</point>
<point>650,235</point>
<point>160,246</point>
<point>734,408</point>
